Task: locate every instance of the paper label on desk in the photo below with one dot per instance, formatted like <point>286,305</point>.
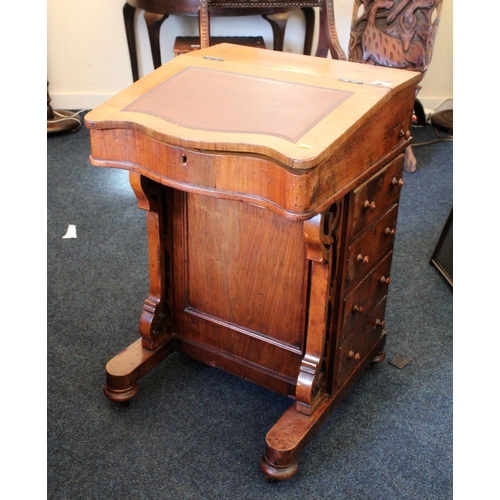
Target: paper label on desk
<point>214,100</point>
<point>381,83</point>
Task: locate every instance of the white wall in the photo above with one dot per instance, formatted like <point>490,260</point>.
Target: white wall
<point>88,61</point>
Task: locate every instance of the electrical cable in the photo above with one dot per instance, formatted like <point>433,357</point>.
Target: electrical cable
<point>62,117</point>
<point>439,139</point>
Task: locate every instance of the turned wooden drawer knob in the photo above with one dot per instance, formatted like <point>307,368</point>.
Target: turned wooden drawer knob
<point>379,323</point>
<point>358,309</point>
<point>385,281</point>
<point>367,205</point>
<point>353,355</point>
<point>362,259</point>
<point>389,231</point>
<point>397,182</point>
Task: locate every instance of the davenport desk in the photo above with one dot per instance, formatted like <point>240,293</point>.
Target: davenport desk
<point>271,184</point>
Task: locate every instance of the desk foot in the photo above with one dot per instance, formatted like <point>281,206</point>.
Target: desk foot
<point>378,358</point>
<point>293,431</point>
<point>130,365</point>
<point>275,474</point>
<point>121,396</point>
<point>287,439</point>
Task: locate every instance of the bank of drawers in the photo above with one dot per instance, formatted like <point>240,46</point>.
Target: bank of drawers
<point>373,209</point>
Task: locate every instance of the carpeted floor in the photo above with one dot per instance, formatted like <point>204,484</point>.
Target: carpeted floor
<point>195,432</point>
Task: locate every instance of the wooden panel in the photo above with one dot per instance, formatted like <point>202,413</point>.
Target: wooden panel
<point>367,250</point>
<point>359,303</point>
<point>313,147</point>
<point>246,266</point>
<point>183,44</point>
<point>373,197</point>
<point>355,348</point>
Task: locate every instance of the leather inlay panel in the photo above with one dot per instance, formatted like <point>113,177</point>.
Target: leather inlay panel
<point>199,98</point>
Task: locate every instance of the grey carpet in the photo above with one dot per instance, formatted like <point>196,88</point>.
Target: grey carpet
<point>194,432</point>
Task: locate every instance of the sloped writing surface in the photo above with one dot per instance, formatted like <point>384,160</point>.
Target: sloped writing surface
<point>206,99</point>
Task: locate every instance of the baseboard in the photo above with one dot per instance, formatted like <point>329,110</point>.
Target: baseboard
<point>90,101</point>
<point>77,101</point>
<point>436,103</point>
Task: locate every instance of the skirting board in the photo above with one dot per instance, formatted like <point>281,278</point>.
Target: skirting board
<point>77,101</point>
<point>89,101</point>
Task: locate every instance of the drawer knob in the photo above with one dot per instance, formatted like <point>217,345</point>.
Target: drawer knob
<point>397,182</point>
<point>385,281</point>
<point>358,309</point>
<point>379,323</point>
<point>362,259</point>
<point>353,355</point>
<point>367,205</point>
<point>389,231</point>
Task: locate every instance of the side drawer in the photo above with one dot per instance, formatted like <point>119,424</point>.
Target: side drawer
<point>359,303</point>
<point>355,348</point>
<point>367,250</point>
<point>371,200</point>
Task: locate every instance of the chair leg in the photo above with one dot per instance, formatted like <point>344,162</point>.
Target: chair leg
<point>153,23</point>
<point>419,113</point>
<point>129,17</point>
<point>322,48</point>
<point>328,38</point>
<point>310,17</point>
<point>278,25</point>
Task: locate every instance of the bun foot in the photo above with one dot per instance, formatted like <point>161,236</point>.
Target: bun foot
<point>129,366</point>
<point>274,474</point>
<point>378,359</point>
<point>121,395</point>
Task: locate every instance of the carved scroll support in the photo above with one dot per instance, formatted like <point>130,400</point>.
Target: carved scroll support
<point>155,320</point>
<point>156,342</point>
<point>320,240</point>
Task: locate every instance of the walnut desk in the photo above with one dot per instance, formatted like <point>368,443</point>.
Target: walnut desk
<point>271,183</point>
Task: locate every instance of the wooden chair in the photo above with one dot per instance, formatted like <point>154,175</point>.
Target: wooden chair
<point>397,34</point>
<point>275,12</point>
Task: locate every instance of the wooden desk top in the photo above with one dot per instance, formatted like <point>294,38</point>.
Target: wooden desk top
<point>290,108</point>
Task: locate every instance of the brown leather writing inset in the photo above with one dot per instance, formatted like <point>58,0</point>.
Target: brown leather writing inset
<point>199,98</point>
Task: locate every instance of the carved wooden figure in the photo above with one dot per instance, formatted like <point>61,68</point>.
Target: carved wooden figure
<point>395,34</point>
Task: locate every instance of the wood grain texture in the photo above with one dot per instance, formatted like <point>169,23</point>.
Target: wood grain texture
<point>313,147</point>
<point>268,258</point>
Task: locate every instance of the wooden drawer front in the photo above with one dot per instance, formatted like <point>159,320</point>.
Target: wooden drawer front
<point>367,250</point>
<point>376,319</point>
<point>360,302</point>
<point>354,349</point>
<point>375,196</point>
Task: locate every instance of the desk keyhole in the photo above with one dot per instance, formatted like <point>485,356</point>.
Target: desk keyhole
<point>184,160</point>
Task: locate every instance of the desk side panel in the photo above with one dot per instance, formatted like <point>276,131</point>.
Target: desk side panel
<point>240,288</point>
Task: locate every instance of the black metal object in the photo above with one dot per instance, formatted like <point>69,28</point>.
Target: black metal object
<point>442,257</point>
